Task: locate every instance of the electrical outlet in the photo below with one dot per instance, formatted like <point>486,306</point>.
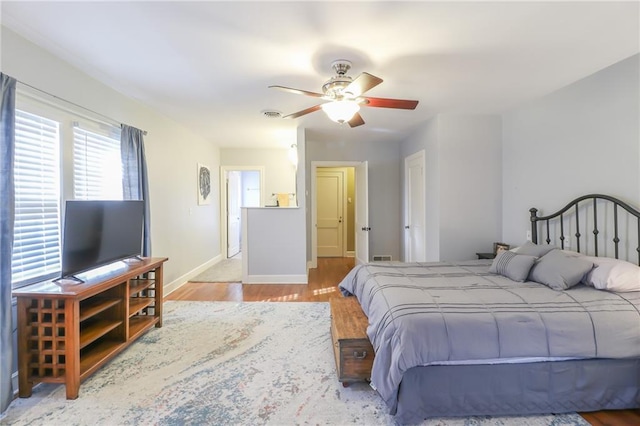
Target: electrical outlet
<point>567,242</point>
<point>528,235</point>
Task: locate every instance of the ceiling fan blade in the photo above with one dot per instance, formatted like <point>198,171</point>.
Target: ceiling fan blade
<point>362,83</point>
<point>298,91</point>
<point>389,103</point>
<point>303,112</point>
<point>356,120</point>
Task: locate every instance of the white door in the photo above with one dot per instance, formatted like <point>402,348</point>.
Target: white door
<point>415,208</point>
<point>330,212</point>
<point>362,213</point>
<point>234,189</point>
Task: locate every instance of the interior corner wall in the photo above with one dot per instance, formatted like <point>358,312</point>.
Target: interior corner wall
<point>581,139</point>
<point>183,231</point>
<point>463,183</point>
<point>384,188</point>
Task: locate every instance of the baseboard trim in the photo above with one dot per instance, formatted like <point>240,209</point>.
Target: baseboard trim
<point>182,280</point>
<point>275,279</point>
<point>350,254</point>
<point>14,382</point>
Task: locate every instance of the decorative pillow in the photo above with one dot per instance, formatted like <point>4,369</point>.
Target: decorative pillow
<point>511,265</point>
<point>613,275</point>
<point>537,250</point>
<point>560,270</point>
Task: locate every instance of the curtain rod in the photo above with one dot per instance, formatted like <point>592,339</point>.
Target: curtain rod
<point>74,104</point>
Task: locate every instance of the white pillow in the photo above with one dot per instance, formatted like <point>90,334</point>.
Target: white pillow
<point>613,275</point>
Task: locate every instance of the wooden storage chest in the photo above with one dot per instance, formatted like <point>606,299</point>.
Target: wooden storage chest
<point>353,352</point>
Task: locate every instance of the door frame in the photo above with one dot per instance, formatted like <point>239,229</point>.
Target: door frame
<point>223,200</point>
<point>314,214</point>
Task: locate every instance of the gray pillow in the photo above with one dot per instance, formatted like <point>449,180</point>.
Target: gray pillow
<point>514,266</point>
<point>560,270</point>
<point>537,250</point>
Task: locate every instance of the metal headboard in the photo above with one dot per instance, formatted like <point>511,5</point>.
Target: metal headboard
<point>575,209</point>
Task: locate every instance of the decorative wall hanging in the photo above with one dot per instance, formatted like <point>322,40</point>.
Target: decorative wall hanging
<point>204,185</point>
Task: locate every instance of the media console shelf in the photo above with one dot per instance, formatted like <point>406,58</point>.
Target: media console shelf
<point>67,331</point>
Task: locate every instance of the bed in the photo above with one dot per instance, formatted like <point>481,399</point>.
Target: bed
<point>482,337</point>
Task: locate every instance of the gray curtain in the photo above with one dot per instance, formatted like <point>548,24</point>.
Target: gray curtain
<point>135,179</point>
<point>7,213</point>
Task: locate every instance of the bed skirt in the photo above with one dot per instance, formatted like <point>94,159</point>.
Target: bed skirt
<point>518,389</point>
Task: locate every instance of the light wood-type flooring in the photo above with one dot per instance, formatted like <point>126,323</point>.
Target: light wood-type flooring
<point>322,286</point>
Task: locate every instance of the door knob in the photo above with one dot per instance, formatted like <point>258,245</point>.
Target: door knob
<point>340,220</point>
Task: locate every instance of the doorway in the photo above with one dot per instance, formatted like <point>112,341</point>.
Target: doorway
<point>339,210</point>
<point>334,193</point>
<point>415,208</point>
<point>239,187</point>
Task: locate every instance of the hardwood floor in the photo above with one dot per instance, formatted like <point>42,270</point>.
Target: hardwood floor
<point>322,287</point>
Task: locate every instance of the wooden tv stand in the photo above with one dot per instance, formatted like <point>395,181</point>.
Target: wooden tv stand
<point>67,330</point>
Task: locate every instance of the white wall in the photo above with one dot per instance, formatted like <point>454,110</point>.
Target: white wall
<point>470,185</point>
<point>180,229</point>
<point>463,189</point>
<point>583,138</point>
<point>279,172</point>
<point>274,239</point>
<point>384,188</point>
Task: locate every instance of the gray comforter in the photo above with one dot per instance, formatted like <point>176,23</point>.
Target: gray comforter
<point>427,313</point>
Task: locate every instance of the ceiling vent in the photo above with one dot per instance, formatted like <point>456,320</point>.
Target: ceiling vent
<point>272,114</point>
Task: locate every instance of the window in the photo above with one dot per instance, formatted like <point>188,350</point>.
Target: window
<point>36,247</point>
<point>55,160</point>
<point>97,166</point>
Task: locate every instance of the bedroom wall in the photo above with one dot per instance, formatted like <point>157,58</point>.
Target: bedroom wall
<point>183,231</point>
<point>384,188</point>
<point>463,189</point>
<point>280,174</point>
<point>583,138</point>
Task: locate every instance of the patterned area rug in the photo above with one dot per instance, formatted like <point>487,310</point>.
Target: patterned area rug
<point>227,363</point>
<point>225,271</point>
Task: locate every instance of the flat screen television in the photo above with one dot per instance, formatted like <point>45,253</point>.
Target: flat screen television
<point>100,232</point>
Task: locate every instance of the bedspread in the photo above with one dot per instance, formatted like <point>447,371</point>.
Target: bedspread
<point>433,312</point>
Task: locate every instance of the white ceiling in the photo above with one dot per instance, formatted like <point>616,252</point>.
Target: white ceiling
<point>208,64</point>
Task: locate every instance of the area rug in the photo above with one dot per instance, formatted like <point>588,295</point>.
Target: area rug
<point>225,271</point>
<point>227,363</point>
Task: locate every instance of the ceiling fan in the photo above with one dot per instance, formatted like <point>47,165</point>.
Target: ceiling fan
<point>345,96</point>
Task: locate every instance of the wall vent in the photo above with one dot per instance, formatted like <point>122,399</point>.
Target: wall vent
<point>382,258</point>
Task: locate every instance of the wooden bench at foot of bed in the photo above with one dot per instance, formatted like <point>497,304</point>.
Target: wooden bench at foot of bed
<point>351,347</point>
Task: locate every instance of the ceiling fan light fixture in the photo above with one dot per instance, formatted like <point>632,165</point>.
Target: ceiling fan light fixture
<point>341,111</point>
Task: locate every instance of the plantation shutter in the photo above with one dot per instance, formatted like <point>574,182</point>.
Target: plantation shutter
<point>97,166</point>
<point>36,247</point>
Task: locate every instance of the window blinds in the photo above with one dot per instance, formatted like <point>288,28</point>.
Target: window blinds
<point>97,166</point>
<point>36,249</point>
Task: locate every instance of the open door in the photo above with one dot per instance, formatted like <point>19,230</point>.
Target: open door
<point>234,192</point>
<point>362,213</point>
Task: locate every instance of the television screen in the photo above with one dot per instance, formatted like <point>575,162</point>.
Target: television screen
<point>100,232</point>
